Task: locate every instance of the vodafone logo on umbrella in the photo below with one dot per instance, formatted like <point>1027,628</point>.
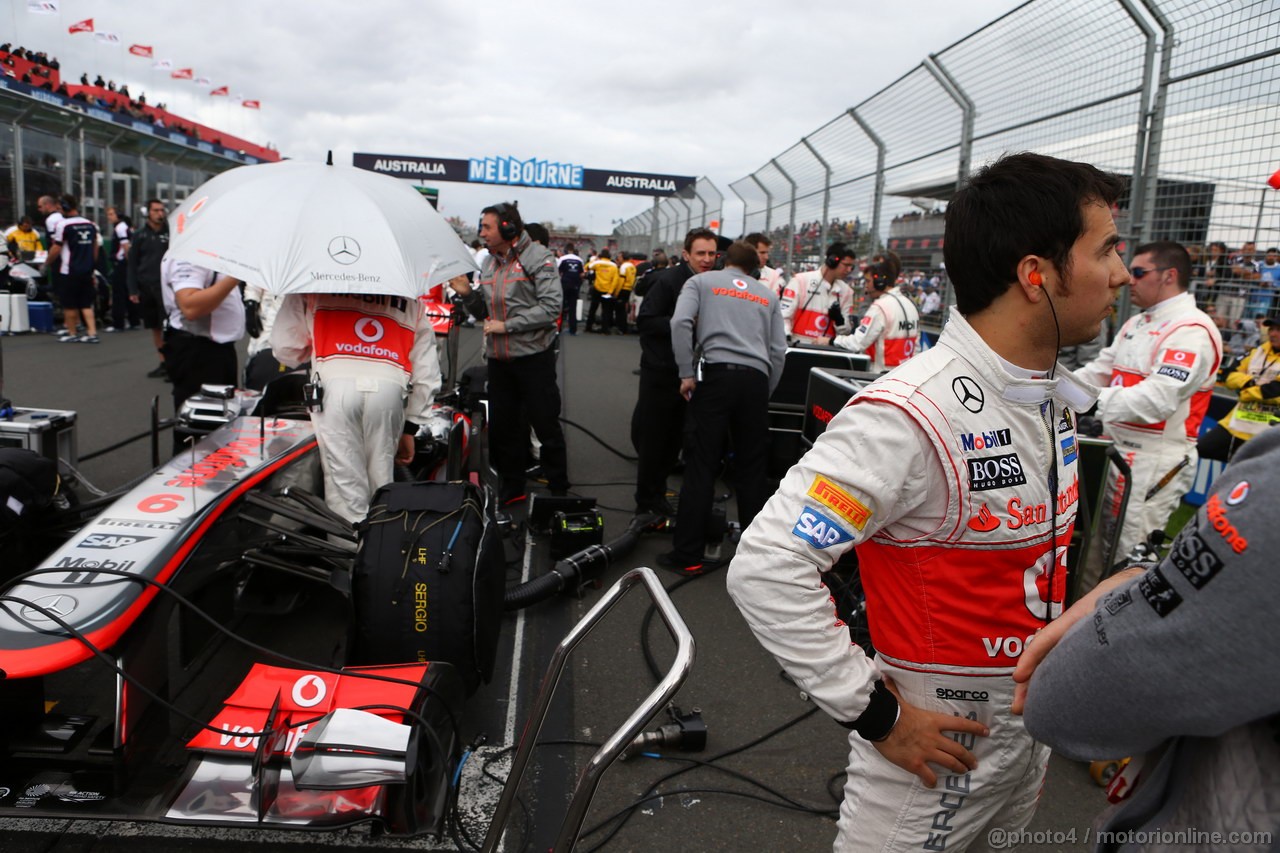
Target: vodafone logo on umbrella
<point>370,330</point>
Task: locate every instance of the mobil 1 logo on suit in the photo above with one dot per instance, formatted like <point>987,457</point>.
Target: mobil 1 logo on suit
<point>995,472</point>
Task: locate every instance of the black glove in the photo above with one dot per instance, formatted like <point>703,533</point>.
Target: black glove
<point>1089,426</point>
<point>252,320</point>
<point>834,315</point>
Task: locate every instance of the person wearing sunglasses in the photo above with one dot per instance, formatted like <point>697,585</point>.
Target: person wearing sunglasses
<point>1158,377</point>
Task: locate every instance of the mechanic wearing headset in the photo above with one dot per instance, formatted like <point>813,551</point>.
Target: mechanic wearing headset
<point>955,475</point>
<point>890,330</point>
<point>520,288</point>
<point>809,297</point>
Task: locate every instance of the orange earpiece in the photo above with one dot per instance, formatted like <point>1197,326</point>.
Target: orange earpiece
<point>1035,278</point>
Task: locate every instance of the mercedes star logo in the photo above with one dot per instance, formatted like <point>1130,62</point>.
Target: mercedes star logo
<point>344,250</point>
<point>60,605</point>
<point>968,393</point>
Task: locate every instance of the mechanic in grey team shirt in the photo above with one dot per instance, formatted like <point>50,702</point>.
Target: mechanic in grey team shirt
<point>736,322</point>
<point>1177,665</point>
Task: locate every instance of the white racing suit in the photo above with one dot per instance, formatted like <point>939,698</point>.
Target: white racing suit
<point>940,473</point>
<point>771,277</point>
<point>375,359</point>
<point>1159,375</point>
<point>889,332</point>
<point>806,303</point>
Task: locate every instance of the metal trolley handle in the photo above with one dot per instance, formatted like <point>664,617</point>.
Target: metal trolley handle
<point>585,789</point>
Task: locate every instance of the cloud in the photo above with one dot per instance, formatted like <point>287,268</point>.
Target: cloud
<point>660,86</point>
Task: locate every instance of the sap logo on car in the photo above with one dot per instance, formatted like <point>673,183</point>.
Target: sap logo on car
<point>111,541</point>
<point>995,472</point>
<point>819,530</point>
<point>986,440</point>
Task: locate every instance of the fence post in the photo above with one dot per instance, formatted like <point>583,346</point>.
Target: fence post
<point>879,190</point>
<point>791,227</point>
<point>949,85</point>
<point>743,199</point>
<point>826,192</point>
<point>1155,125</point>
<point>768,205</point>
<point>1138,180</point>
<point>720,210</point>
<point>653,226</point>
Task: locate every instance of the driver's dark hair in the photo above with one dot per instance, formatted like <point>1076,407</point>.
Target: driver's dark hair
<point>1167,253</point>
<point>698,234</point>
<point>1022,204</point>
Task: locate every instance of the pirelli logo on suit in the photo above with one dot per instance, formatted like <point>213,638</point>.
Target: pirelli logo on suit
<point>840,502</point>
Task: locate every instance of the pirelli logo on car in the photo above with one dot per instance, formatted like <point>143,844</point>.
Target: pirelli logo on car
<point>840,502</point>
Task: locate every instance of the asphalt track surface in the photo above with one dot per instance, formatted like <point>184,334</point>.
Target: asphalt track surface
<point>734,683</point>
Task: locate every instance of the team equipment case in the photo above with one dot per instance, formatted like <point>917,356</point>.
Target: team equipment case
<point>787,404</point>
<point>829,391</point>
<point>49,432</point>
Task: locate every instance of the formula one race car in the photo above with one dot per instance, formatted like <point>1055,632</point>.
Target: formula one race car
<point>144,672</point>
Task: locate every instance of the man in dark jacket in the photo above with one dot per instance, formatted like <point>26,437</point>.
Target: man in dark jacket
<point>146,250</point>
<point>657,425</point>
<point>520,288</point>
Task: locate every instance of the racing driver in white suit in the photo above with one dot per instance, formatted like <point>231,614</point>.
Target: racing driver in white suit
<point>1158,377</point>
<point>890,330</point>
<point>956,478</point>
<point>375,359</point>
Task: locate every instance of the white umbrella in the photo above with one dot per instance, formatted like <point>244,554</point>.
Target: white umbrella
<point>294,227</point>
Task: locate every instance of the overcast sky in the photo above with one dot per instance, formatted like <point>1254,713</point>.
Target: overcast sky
<point>712,89</point>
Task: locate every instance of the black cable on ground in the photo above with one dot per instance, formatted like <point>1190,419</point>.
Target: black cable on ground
<point>649,659</point>
<point>625,815</point>
<point>606,445</point>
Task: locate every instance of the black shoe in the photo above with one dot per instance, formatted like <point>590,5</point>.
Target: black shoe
<point>160,372</point>
<point>537,474</point>
<point>685,567</point>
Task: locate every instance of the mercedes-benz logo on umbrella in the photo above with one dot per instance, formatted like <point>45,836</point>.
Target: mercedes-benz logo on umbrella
<point>60,605</point>
<point>968,393</point>
<point>344,250</point>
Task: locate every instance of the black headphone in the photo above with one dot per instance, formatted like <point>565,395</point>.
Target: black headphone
<point>509,224</point>
<point>835,254</point>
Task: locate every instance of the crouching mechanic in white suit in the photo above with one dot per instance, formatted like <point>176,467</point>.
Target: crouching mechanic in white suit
<point>375,360</point>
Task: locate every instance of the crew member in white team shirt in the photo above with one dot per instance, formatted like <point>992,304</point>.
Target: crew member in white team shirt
<point>809,297</point>
<point>890,330</point>
<point>770,277</point>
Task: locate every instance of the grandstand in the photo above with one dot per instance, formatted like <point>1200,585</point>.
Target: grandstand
<point>100,145</point>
